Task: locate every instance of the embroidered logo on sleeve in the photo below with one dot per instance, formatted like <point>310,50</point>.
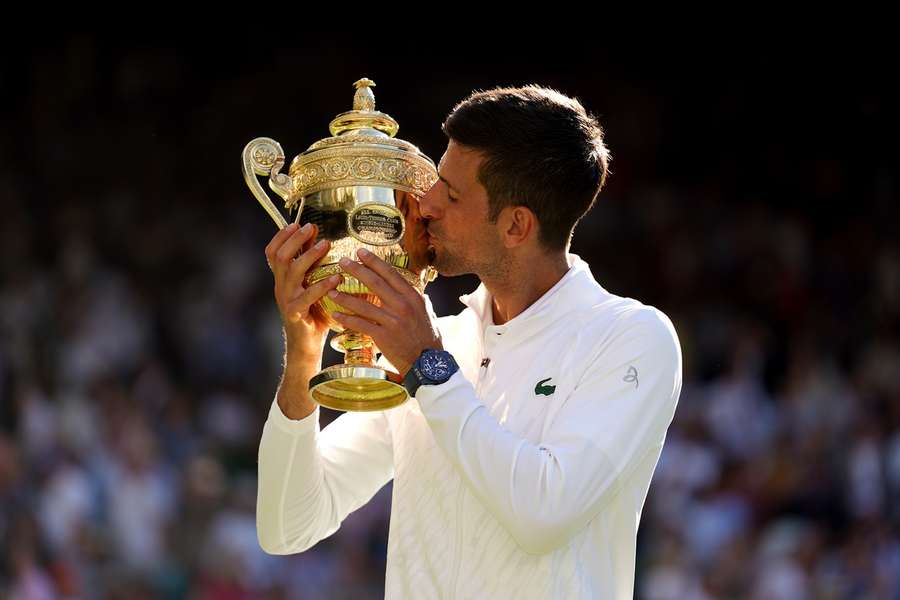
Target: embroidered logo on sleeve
<point>545,390</point>
<point>630,376</point>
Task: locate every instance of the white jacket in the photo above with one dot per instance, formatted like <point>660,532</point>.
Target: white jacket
<point>524,478</point>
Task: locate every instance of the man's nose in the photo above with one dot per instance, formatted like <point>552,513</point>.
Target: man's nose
<point>429,204</point>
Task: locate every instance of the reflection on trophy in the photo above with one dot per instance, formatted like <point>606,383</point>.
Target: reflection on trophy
<point>361,188</point>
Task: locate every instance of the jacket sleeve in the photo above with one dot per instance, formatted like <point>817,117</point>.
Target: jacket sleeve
<point>310,480</point>
<point>545,493</point>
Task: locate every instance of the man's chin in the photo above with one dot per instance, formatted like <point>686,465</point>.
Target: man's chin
<point>435,262</point>
<point>444,263</point>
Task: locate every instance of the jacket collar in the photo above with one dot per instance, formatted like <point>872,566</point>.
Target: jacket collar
<point>576,289</point>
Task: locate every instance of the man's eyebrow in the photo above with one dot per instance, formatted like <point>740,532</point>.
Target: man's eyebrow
<point>449,185</point>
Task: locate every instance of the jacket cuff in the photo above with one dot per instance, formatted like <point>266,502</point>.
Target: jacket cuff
<point>433,398</point>
<point>306,425</point>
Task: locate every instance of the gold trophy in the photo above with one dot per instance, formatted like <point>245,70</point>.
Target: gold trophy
<point>361,188</point>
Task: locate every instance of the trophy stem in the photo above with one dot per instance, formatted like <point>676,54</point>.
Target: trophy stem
<point>358,348</point>
<point>359,356</point>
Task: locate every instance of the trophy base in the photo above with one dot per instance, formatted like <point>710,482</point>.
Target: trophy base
<point>356,388</point>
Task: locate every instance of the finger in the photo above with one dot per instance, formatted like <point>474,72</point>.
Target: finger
<point>389,297</point>
<point>299,306</point>
<point>277,240</point>
<point>357,324</point>
<point>363,308</point>
<point>301,266</point>
<point>312,238</point>
<point>290,247</point>
<point>386,271</point>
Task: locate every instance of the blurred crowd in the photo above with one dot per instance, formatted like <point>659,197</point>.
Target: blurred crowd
<point>140,347</point>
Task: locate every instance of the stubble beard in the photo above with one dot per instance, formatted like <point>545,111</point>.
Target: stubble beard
<point>448,264</point>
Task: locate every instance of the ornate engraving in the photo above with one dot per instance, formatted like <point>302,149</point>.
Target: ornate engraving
<point>328,169</point>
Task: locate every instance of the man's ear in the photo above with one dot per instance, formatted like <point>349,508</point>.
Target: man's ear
<point>517,225</point>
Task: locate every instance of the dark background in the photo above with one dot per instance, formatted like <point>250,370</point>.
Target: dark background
<point>753,199</point>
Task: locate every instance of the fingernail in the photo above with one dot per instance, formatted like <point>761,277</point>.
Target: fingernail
<point>332,294</point>
<point>321,244</point>
<point>345,262</point>
<point>305,228</point>
<point>336,279</point>
<point>362,252</point>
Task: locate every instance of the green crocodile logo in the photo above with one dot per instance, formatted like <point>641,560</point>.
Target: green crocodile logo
<point>545,390</point>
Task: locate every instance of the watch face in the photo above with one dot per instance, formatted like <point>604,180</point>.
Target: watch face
<point>436,366</point>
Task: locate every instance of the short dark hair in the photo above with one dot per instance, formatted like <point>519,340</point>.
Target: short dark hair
<point>541,150</point>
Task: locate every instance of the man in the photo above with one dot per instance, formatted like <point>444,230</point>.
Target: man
<point>522,462</point>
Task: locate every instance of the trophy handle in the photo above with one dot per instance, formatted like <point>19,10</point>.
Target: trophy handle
<point>264,156</point>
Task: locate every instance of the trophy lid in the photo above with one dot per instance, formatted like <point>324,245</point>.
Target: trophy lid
<point>362,151</point>
<point>364,116</point>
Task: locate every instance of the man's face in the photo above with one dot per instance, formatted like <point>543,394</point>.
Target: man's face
<point>460,238</point>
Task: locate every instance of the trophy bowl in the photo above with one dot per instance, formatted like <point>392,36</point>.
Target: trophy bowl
<point>360,187</point>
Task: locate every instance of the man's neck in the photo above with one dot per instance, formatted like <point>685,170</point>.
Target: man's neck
<point>523,284</point>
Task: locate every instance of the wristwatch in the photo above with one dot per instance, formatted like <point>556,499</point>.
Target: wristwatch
<point>433,367</point>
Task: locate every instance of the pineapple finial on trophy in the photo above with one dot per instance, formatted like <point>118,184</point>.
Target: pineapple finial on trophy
<point>364,99</point>
<point>364,119</point>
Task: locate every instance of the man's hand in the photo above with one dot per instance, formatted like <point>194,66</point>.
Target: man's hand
<point>401,327</point>
<point>305,333</point>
